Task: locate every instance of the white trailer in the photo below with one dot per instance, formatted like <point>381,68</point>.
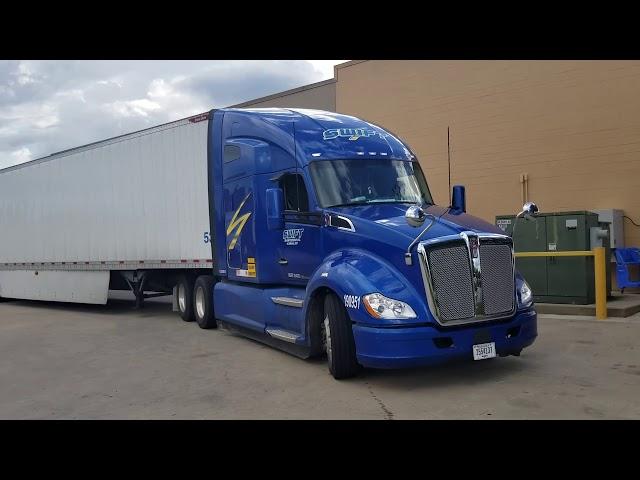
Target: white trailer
<point>130,212</point>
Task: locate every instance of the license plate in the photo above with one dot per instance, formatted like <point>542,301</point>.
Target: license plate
<point>483,351</point>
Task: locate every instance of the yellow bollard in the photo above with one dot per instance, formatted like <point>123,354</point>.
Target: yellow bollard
<point>600,270</point>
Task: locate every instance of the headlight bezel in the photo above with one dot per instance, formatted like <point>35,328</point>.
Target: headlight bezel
<point>393,309</point>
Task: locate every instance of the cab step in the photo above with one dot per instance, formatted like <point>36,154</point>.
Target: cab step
<point>284,335</point>
<point>288,301</point>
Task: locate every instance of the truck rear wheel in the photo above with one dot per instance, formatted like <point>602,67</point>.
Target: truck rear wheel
<point>185,298</point>
<point>203,302</point>
<point>338,337</point>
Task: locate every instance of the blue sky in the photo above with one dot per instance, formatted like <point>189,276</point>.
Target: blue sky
<point>48,106</point>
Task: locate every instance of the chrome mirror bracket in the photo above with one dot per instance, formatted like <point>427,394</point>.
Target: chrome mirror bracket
<point>408,259</point>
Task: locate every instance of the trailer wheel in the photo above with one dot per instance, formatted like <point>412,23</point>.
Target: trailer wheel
<point>338,338</point>
<point>185,297</point>
<point>203,302</point>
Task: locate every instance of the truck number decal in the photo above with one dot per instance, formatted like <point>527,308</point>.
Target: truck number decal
<point>207,239</point>
<point>352,301</point>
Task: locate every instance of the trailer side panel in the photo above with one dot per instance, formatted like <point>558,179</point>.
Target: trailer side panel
<point>138,201</point>
<point>55,286</point>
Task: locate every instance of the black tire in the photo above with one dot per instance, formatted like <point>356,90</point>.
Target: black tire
<point>341,348</point>
<point>185,306</point>
<point>203,306</point>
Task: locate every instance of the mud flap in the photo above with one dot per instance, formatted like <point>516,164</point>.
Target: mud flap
<point>174,299</point>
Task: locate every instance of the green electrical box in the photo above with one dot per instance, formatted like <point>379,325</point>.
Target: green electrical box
<point>557,279</point>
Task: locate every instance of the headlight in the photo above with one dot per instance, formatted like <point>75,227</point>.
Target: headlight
<point>525,295</point>
<point>380,306</point>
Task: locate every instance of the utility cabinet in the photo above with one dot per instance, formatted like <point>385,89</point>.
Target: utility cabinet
<point>557,279</point>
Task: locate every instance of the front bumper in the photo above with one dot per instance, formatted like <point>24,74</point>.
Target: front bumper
<point>415,346</point>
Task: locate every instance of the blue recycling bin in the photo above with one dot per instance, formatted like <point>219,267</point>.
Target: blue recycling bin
<point>626,257</point>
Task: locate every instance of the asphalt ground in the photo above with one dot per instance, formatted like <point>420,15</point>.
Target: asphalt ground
<point>68,361</point>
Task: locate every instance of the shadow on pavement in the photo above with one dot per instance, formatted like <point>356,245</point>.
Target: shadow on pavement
<point>461,372</point>
<point>466,372</point>
<point>118,304</point>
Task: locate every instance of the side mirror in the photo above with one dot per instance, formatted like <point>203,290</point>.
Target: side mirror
<point>415,215</point>
<point>458,199</point>
<point>275,209</point>
<point>529,210</point>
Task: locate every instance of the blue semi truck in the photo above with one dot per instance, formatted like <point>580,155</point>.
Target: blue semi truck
<point>327,239</point>
<point>324,238</point>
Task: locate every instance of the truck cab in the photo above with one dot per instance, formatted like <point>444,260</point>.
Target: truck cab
<point>326,239</point>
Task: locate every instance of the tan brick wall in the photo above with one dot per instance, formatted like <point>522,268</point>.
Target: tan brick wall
<point>572,126</point>
<point>320,96</point>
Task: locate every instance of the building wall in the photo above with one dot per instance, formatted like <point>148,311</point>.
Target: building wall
<point>572,126</point>
<point>321,96</point>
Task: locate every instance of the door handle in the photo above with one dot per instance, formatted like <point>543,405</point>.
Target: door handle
<point>283,261</point>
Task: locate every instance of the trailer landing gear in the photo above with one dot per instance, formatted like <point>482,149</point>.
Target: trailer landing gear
<point>136,284</point>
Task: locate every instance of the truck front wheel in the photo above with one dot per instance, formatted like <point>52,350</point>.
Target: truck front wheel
<point>203,302</point>
<point>185,297</point>
<point>338,338</point>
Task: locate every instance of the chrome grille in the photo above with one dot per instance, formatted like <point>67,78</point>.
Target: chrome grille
<point>496,267</point>
<point>452,282</point>
<point>468,280</point>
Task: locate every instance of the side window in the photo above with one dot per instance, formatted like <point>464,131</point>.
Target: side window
<point>295,193</point>
<point>231,153</point>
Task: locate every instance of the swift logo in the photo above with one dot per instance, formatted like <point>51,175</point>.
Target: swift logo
<point>237,223</point>
<point>350,133</point>
<point>292,236</point>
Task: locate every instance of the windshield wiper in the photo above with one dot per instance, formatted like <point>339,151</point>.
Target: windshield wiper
<point>374,202</point>
<point>392,201</point>
<point>347,204</point>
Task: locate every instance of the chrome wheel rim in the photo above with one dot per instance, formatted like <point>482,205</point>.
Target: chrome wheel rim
<point>326,338</point>
<point>182,298</point>
<point>200,302</point>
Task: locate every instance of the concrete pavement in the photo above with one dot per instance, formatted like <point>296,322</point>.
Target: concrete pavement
<point>112,362</point>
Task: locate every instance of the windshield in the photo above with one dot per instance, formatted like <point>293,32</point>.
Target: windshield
<point>365,182</point>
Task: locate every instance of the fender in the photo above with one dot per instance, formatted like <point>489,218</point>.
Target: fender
<point>353,272</point>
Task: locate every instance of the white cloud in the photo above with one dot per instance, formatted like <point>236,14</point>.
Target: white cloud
<point>76,93</point>
<point>325,67</point>
<point>48,106</point>
<point>141,107</point>
<point>159,88</point>
<point>25,74</point>
<point>21,155</point>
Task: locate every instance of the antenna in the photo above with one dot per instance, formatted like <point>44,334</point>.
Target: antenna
<point>449,159</point>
